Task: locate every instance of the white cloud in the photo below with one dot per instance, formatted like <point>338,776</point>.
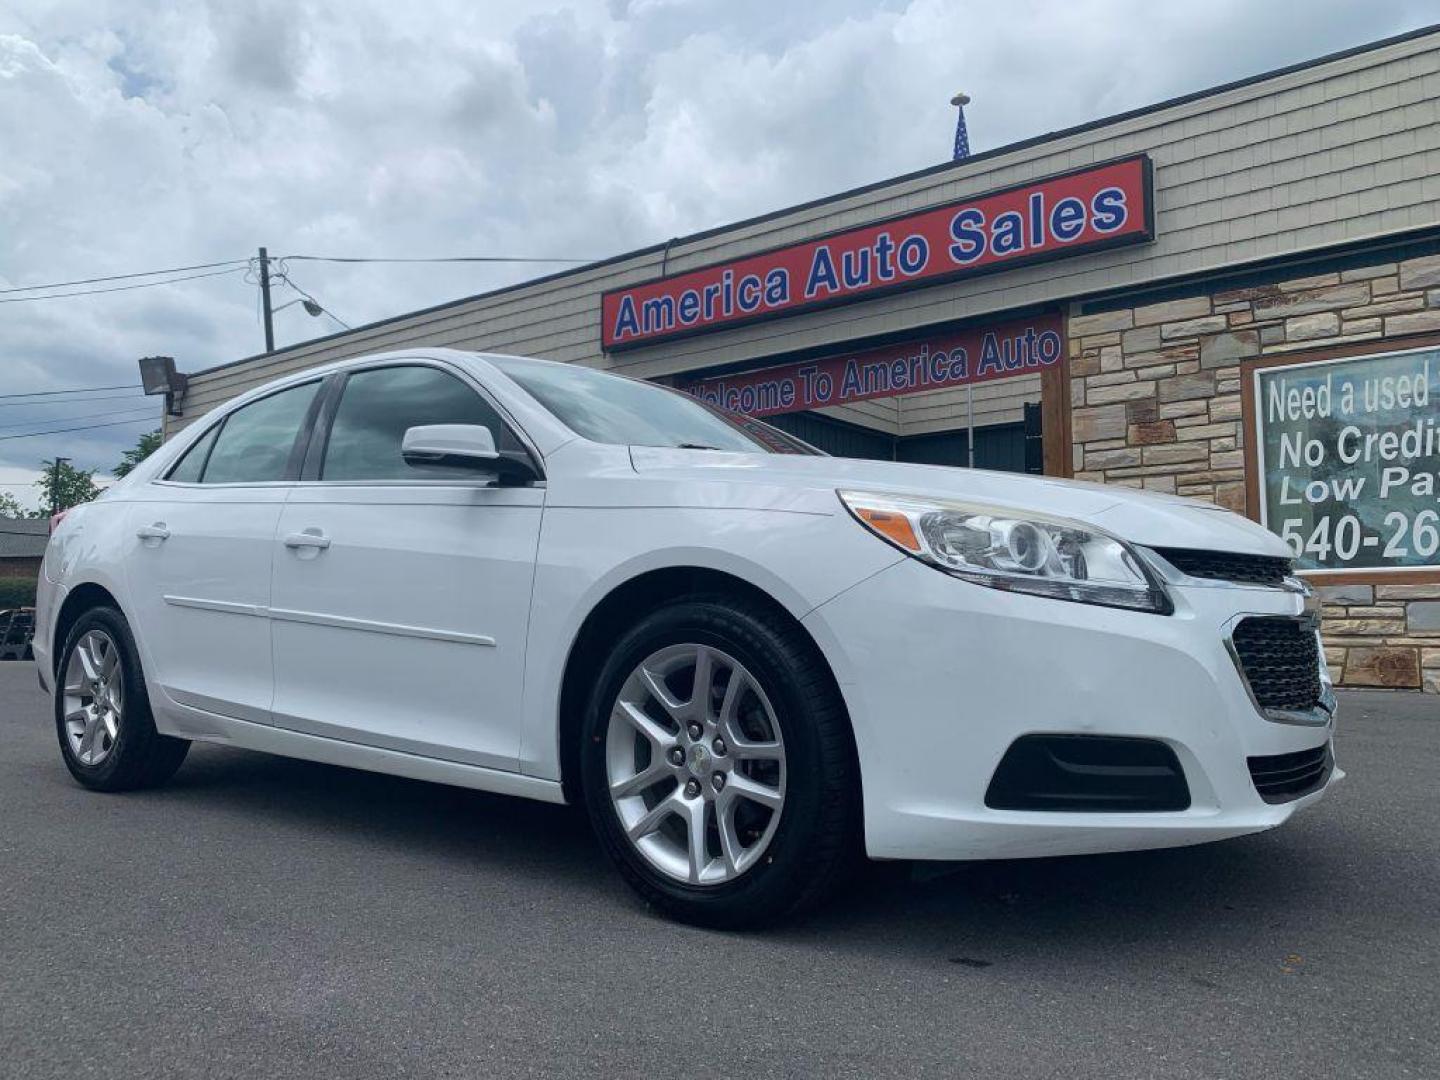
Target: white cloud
<point>146,134</point>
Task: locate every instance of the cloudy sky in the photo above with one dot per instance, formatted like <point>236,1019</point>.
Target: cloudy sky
<point>139,135</point>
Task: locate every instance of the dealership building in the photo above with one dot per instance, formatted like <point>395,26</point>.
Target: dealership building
<point>1232,296</point>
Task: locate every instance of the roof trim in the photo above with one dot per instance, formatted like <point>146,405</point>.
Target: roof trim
<point>931,170</point>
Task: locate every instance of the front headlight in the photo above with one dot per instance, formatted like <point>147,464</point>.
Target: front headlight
<point>1016,550</point>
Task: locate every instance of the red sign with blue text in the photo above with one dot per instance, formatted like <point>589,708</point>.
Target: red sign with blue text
<point>954,358</point>
<point>1097,207</point>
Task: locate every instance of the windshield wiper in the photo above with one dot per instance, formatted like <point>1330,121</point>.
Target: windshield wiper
<point>694,446</point>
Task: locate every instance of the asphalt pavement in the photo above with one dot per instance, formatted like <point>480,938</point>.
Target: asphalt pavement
<point>270,918</point>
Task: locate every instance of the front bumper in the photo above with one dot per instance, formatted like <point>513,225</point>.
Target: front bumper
<point>940,676</point>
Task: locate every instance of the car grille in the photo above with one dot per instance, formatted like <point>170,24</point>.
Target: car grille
<point>1228,566</point>
<point>1280,778</point>
<point>1280,659</point>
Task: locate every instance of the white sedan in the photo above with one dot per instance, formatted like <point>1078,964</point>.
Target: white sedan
<point>749,661</point>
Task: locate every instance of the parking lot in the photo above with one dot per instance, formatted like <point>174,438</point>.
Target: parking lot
<point>263,917</point>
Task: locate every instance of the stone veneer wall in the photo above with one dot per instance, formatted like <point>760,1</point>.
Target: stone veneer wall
<point>1155,399</point>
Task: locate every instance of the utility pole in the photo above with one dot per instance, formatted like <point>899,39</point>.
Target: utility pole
<point>265,300</point>
<point>55,485</point>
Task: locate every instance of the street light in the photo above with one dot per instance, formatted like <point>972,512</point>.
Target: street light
<point>158,376</point>
<point>311,307</point>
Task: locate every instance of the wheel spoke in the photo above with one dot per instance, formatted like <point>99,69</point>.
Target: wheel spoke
<point>109,662</point>
<point>646,778</point>
<point>745,750</point>
<point>700,691</point>
<point>743,787</point>
<point>657,736</point>
<point>87,738</point>
<point>733,689</point>
<point>112,725</point>
<point>87,657</point>
<point>652,818</point>
<point>694,813</point>
<point>656,688</point>
<point>730,847</point>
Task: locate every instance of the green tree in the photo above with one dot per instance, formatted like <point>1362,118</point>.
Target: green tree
<point>147,445</point>
<point>10,507</point>
<point>64,486</point>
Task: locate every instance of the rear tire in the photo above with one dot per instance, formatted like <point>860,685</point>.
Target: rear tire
<point>102,711</point>
<point>732,808</point>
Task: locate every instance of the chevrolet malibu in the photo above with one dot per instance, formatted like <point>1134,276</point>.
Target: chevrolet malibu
<point>749,662</point>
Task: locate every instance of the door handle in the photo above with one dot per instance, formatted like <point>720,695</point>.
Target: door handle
<point>158,531</point>
<point>308,539</point>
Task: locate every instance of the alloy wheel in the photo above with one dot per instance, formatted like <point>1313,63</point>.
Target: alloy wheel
<point>94,695</point>
<point>695,763</point>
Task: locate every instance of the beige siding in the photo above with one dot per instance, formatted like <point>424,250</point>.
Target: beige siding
<point>944,410</point>
<point>1335,153</point>
<point>881,414</point>
<point>928,411</point>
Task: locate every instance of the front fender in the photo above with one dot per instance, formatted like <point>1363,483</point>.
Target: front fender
<point>800,560</point>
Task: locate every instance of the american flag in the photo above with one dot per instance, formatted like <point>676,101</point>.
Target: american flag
<point>962,136</point>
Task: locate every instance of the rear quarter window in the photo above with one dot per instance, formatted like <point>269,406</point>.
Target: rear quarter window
<point>253,444</point>
<point>192,463</point>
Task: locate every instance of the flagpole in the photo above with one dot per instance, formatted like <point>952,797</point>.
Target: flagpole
<point>961,152</point>
<point>970,422</point>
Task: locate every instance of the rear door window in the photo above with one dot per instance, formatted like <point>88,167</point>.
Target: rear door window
<point>255,442</point>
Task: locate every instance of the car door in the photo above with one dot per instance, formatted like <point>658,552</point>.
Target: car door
<point>401,593</point>
<point>199,570</point>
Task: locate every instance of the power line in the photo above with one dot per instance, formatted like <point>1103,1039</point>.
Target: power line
<point>234,266</point>
<point>123,277</point>
<point>448,259</point>
<point>238,263</point>
<point>86,427</point>
<point>76,390</point>
<point>122,288</point>
<point>68,401</point>
<point>285,277</point>
<point>67,419</point>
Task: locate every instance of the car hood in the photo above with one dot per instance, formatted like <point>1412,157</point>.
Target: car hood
<point>1142,517</point>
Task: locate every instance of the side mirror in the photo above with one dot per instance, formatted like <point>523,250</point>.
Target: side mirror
<point>464,446</point>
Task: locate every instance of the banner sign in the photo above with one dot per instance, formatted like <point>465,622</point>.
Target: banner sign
<point>956,358</point>
<point>1349,458</point>
<point>1083,211</point>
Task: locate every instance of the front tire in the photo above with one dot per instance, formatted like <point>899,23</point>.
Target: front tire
<point>102,711</point>
<point>718,766</point>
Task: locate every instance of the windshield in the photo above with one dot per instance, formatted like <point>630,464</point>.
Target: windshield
<point>628,412</point>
